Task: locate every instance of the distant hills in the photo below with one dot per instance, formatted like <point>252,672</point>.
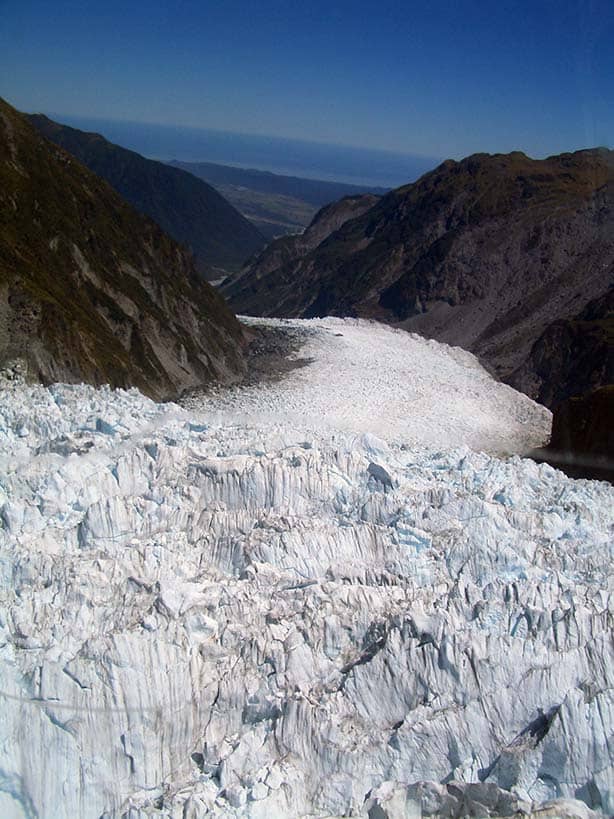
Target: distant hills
<point>90,289</point>
<point>276,204</point>
<point>188,209</point>
<point>292,157</point>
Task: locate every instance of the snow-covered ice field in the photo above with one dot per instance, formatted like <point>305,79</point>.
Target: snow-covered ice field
<point>367,377</point>
<point>316,597</point>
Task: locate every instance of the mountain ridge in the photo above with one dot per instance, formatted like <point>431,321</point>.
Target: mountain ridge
<point>188,209</point>
<point>482,253</point>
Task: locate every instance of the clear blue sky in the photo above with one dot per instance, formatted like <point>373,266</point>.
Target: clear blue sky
<point>435,77</point>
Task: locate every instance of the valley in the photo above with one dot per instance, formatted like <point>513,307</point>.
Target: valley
<point>276,204</point>
<point>508,257</point>
<point>303,560</point>
<point>185,207</point>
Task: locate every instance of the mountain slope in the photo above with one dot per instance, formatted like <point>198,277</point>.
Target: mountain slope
<point>291,249</point>
<point>573,355</point>
<point>582,435</point>
<point>483,253</point>
<point>90,289</point>
<point>188,209</point>
<point>571,369</point>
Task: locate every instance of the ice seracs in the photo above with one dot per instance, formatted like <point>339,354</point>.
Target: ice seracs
<point>219,611</point>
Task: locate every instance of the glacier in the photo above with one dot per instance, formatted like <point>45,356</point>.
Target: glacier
<point>343,593</point>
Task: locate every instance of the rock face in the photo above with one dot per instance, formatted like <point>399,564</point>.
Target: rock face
<point>483,253</point>
<point>91,290</point>
<point>583,434</point>
<point>572,357</point>
<point>591,417</point>
<point>206,615</point>
<point>187,208</point>
<point>571,369</point>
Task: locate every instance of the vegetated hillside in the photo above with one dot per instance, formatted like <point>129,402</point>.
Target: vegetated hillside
<point>92,290</point>
<point>188,209</point>
<point>483,253</point>
<point>276,204</point>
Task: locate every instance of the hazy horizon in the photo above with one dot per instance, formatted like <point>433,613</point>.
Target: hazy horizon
<point>290,157</point>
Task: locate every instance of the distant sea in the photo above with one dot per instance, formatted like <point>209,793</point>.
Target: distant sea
<point>311,160</point>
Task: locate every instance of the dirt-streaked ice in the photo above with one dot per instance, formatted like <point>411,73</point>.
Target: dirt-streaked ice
<point>220,610</point>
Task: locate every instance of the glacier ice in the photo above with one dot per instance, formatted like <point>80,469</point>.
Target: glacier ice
<point>215,609</point>
<point>366,377</point>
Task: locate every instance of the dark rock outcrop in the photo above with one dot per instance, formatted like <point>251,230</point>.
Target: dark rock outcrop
<point>91,290</point>
<point>583,424</point>
<point>187,208</point>
<point>571,370</point>
<point>582,442</point>
<point>572,357</point>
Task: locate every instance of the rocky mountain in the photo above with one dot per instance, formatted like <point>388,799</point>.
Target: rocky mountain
<point>188,209</point>
<point>484,253</point>
<point>571,369</point>
<point>92,290</point>
<point>275,203</point>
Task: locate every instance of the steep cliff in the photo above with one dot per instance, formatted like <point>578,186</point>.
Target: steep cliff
<point>582,426</point>
<point>572,357</point>
<point>90,289</point>
<point>571,370</point>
